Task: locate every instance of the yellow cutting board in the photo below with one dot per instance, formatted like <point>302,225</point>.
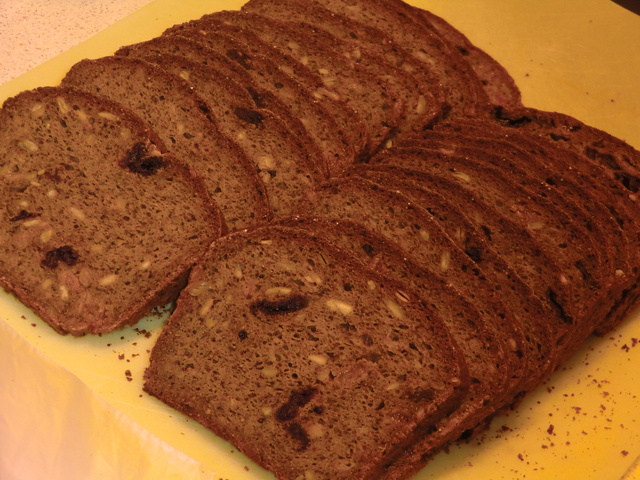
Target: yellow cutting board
<point>580,57</point>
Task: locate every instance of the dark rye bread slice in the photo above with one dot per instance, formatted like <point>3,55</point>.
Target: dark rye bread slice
<point>423,95</point>
<point>360,79</point>
<point>580,284</point>
<point>499,86</point>
<point>463,90</point>
<point>423,239</point>
<point>486,347</point>
<point>93,242</point>
<point>262,99</point>
<point>284,165</point>
<point>335,126</point>
<point>556,168</point>
<point>183,120</point>
<point>478,231</point>
<point>323,376</point>
<point>621,160</point>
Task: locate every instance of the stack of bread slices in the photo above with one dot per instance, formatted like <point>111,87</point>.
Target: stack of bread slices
<point>383,246</point>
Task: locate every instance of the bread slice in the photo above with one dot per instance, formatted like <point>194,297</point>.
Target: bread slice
<point>481,273</point>
<point>284,165</point>
<point>578,288</point>
<point>93,242</point>
<point>499,86</point>
<point>358,78</point>
<point>617,156</point>
<point>184,122</point>
<point>568,180</point>
<point>261,98</point>
<point>336,127</point>
<point>422,94</point>
<point>493,363</point>
<point>463,89</point>
<point>324,371</point>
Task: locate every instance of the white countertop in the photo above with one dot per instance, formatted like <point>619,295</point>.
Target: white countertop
<point>34,31</point>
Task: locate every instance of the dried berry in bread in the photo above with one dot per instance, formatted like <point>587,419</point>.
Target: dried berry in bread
<point>99,223</point>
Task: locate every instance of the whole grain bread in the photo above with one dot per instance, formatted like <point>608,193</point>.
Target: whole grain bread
<point>184,122</point>
<point>315,338</point>
<point>285,166</point>
<point>463,89</point>
<point>262,99</point>
<point>424,240</point>
<point>359,78</point>
<point>93,242</point>
<point>423,95</point>
<point>337,127</point>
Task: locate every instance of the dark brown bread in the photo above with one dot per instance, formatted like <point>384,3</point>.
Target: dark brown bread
<point>315,339</point>
<point>261,98</point>
<point>337,128</point>
<point>93,242</point>
<point>610,215</point>
<point>496,81</point>
<point>184,122</point>
<point>423,95</point>
<point>463,89</point>
<point>619,158</point>
<point>579,287</point>
<point>284,165</point>
<point>423,239</point>
<point>488,349</point>
<point>360,79</point>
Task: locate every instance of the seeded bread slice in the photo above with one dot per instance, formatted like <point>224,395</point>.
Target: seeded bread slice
<point>610,217</point>
<point>496,81</point>
<point>580,285</point>
<point>491,359</point>
<point>184,122</point>
<point>337,127</point>
<point>463,89</point>
<point>423,239</point>
<point>325,372</point>
<point>617,156</point>
<point>360,79</point>
<point>93,242</point>
<point>423,95</point>
<point>284,165</point>
<point>261,98</point>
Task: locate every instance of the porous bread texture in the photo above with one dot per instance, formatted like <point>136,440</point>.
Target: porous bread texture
<point>338,129</point>
<point>308,363</point>
<point>315,369</point>
<point>182,119</point>
<point>99,223</point>
<point>284,165</point>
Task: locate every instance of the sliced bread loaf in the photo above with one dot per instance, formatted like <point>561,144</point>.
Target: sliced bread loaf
<point>325,372</point>
<point>337,127</point>
<point>93,242</point>
<point>463,90</point>
<point>285,167</point>
<point>184,122</point>
<point>423,95</point>
<point>261,98</point>
<point>362,80</point>
<point>423,239</point>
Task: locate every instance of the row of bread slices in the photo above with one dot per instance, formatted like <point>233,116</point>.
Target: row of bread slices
<point>399,144</point>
